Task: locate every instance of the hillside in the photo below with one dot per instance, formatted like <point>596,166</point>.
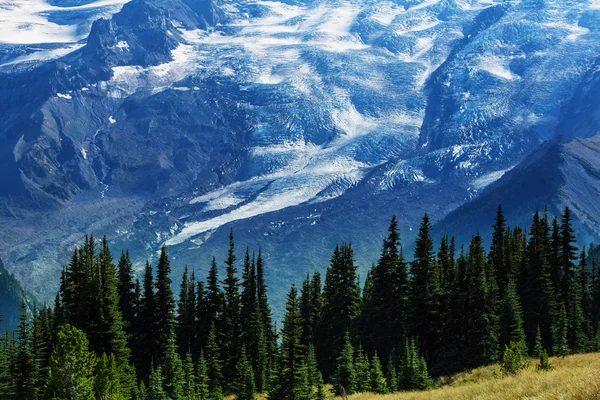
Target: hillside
<point>573,377</point>
<point>11,294</point>
<point>562,172</point>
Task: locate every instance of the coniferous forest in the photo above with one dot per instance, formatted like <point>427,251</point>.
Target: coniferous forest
<point>109,335</point>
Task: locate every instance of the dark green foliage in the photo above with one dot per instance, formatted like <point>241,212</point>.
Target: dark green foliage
<point>244,388</point>
<point>527,293</point>
<point>126,290</point>
<point>383,315</point>
<point>414,374</point>
<point>362,369</point>
<point>214,368</point>
<point>186,314</point>
<point>289,383</point>
<point>344,379</point>
<point>25,368</point>
<point>341,307</point>
<point>164,315</point>
<point>561,331</point>
<point>231,323</point>
<point>511,321</point>
<point>189,379</point>
<point>391,379</point>
<point>425,290</point>
<point>377,381</point>
<point>203,382</point>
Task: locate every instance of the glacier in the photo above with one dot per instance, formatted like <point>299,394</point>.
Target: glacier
<point>298,124</point>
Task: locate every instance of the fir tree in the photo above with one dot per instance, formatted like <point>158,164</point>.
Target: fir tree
<point>561,331</point>
<point>172,370</point>
<point>214,366</point>
<point>341,307</point>
<point>147,352</point>
<point>203,382</point>
<point>108,380</point>
<point>378,384</point>
<point>126,290</point>
<point>165,304</point>
<point>511,322</point>
<point>289,380</point>
<point>244,388</point>
<point>155,388</point>
<point>385,297</point>
<point>231,323</point>
<point>186,314</point>
<point>344,379</point>
<point>425,290</point>
<point>189,379</point>
<point>25,372</point>
<point>362,370</point>
<point>391,379</point>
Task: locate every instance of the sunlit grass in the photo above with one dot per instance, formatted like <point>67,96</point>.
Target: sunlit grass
<point>574,377</point>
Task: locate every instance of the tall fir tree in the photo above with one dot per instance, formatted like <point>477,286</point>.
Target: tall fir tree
<point>341,307</point>
<point>384,312</point>
<point>165,304</point>
<point>231,323</point>
<point>425,290</point>
<point>289,383</point>
<point>126,290</point>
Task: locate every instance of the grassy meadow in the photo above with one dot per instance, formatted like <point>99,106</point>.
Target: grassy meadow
<point>574,377</point>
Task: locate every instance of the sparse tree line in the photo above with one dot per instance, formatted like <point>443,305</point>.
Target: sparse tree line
<point>112,336</point>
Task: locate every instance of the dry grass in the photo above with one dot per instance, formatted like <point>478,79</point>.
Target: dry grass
<point>575,377</point>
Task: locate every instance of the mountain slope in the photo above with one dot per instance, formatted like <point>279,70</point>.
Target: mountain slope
<point>562,172</point>
<point>297,124</point>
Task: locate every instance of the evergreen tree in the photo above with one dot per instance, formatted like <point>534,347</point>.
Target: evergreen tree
<point>71,371</point>
<point>231,323</point>
<point>108,380</point>
<point>189,379</point>
<point>344,379</point>
<point>535,289</point>
<point>147,351</point>
<point>378,384</point>
<point>126,289</point>
<point>561,331</point>
<point>424,290</point>
<point>25,372</point>
<point>362,370</point>
<point>244,388</point>
<point>214,366</point>
<point>537,348</point>
<point>481,339</point>
<point>391,379</point>
<point>511,322</point>
<point>165,304</point>
<point>203,382</point>
<point>172,370</point>
<point>498,251</point>
<point>289,383</point>
<point>312,367</point>
<point>385,297</point>
<point>186,314</point>
<point>155,388</point>
<point>341,307</point>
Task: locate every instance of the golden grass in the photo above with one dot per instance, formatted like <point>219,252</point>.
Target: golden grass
<point>574,377</point>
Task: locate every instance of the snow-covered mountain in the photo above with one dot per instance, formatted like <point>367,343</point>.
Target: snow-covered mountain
<point>296,123</point>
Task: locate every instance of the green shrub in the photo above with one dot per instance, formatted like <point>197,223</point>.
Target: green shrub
<point>514,358</point>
